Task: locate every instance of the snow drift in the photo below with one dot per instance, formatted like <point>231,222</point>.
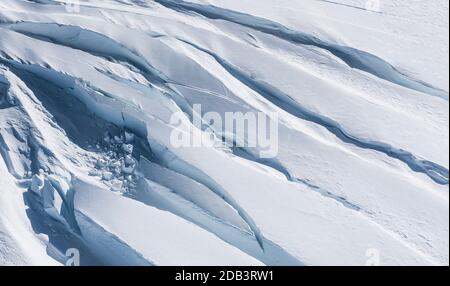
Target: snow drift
<point>88,90</point>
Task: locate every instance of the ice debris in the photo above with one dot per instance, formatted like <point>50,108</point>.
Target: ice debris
<point>116,167</point>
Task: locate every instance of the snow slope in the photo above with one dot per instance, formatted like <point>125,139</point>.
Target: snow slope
<point>87,94</point>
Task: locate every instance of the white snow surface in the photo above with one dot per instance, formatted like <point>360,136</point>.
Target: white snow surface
<point>87,91</point>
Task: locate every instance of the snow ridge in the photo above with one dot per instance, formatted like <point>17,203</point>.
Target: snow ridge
<point>87,99</point>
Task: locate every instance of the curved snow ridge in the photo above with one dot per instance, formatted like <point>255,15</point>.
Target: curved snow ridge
<point>89,41</point>
<point>164,198</point>
<point>197,174</point>
<point>120,122</point>
<point>271,255</point>
<point>174,163</point>
<point>190,190</point>
<point>82,84</point>
<point>159,236</point>
<point>109,248</point>
<point>354,58</point>
<point>72,36</point>
<point>125,118</point>
<point>54,203</point>
<point>434,171</point>
<point>102,46</point>
<point>276,165</point>
<point>47,196</point>
<point>19,133</point>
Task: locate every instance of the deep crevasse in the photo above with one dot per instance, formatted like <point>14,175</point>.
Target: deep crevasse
<point>86,100</point>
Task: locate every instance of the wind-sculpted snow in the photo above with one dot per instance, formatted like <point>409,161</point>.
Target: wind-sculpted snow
<point>436,172</point>
<point>91,97</point>
<point>353,57</point>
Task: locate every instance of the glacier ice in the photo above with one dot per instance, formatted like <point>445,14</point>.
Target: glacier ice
<point>86,158</point>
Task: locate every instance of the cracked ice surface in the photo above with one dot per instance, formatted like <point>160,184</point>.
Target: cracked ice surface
<point>87,97</point>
